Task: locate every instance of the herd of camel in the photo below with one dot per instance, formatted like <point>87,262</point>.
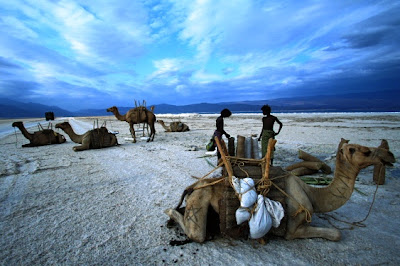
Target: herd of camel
<point>207,193</point>
<point>100,137</point>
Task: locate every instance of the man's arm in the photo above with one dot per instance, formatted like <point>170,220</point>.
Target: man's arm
<point>280,125</point>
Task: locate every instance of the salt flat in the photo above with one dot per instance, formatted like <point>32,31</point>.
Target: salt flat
<point>107,206</point>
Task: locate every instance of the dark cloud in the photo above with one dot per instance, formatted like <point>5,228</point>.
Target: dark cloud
<point>6,64</point>
<point>17,89</point>
<point>382,29</point>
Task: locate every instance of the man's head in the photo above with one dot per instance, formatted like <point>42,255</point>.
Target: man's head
<point>266,109</point>
<point>226,113</point>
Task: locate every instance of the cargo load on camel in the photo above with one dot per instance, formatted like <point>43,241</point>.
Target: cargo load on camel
<point>93,139</point>
<point>299,200</point>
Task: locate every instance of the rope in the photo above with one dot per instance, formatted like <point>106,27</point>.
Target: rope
<point>301,207</point>
<point>242,164</point>
<point>211,184</point>
<point>265,183</point>
<point>16,138</point>
<point>219,165</point>
<point>264,187</point>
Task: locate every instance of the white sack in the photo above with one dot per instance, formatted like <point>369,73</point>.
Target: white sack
<point>276,211</point>
<point>261,222</point>
<point>245,188</point>
<point>242,215</point>
<point>248,191</point>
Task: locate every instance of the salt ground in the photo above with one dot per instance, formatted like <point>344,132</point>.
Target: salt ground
<point>107,206</point>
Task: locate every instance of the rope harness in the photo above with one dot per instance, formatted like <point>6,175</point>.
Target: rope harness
<point>264,184</point>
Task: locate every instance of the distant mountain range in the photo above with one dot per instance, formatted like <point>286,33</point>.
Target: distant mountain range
<point>383,101</point>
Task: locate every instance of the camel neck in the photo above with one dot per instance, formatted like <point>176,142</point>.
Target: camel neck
<point>74,137</point>
<point>164,126</point>
<point>119,116</point>
<point>337,193</point>
<point>25,132</point>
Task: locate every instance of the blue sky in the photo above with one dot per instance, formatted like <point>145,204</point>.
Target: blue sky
<point>95,54</point>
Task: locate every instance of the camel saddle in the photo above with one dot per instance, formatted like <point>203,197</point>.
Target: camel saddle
<point>255,169</point>
<point>230,202</point>
<point>49,132</point>
<point>100,138</point>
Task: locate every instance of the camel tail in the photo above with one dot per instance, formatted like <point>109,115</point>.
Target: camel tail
<point>185,193</point>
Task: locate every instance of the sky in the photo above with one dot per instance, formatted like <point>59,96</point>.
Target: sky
<point>96,54</point>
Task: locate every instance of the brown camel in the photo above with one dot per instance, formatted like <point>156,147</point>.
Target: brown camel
<point>92,139</point>
<point>134,116</point>
<point>351,158</point>
<point>39,138</point>
<point>174,126</point>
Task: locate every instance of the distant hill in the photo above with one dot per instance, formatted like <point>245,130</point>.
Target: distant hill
<point>383,101</point>
<point>14,109</point>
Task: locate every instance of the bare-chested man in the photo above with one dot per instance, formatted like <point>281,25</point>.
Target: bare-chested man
<point>267,130</point>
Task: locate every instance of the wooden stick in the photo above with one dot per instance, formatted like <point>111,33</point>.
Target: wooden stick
<point>221,150</point>
<point>271,145</point>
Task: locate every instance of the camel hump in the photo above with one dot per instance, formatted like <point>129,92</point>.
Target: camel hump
<point>99,138</point>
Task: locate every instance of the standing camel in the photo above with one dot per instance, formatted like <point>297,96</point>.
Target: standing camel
<point>303,199</point>
<point>93,139</point>
<point>41,137</point>
<point>134,116</point>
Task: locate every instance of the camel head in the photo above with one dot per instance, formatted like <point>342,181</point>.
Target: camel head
<point>361,156</point>
<point>17,124</point>
<point>63,125</point>
<point>160,121</point>
<point>112,109</point>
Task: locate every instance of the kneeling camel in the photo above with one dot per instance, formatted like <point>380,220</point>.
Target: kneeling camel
<point>92,139</point>
<point>350,159</point>
<point>41,137</point>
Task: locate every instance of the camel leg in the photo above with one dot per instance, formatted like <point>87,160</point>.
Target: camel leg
<point>297,226</point>
<point>80,147</point>
<point>132,132</point>
<point>152,132</point>
<point>307,231</point>
<point>194,221</point>
<point>85,145</point>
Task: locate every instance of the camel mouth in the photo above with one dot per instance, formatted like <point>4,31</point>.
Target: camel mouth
<point>387,163</point>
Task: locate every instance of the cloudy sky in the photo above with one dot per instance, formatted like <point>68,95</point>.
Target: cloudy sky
<point>95,54</point>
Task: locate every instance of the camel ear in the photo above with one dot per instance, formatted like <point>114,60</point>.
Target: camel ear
<point>342,141</point>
